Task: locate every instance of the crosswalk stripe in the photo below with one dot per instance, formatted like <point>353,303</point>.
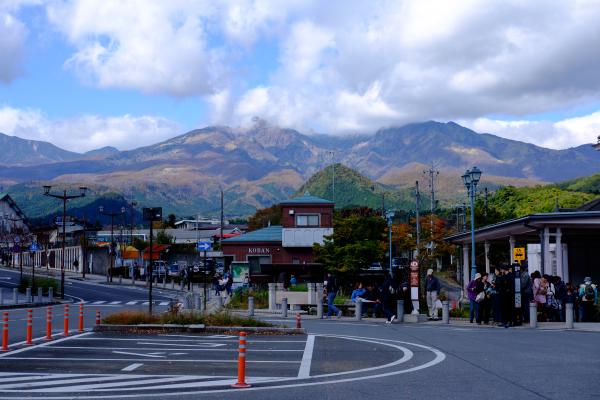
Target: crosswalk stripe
<point>131,302</point>
<point>119,385</point>
<point>115,302</point>
<point>99,302</point>
<point>53,382</point>
<point>163,303</point>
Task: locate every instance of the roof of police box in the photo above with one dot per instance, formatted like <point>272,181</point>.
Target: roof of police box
<point>307,198</point>
<point>268,234</point>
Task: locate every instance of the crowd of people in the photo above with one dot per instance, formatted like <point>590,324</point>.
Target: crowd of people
<point>492,296</point>
<point>377,299</point>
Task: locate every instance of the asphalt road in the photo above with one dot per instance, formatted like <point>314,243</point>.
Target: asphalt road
<point>96,296</point>
<point>337,360</point>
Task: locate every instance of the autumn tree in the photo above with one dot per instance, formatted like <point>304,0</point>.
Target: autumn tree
<point>264,217</point>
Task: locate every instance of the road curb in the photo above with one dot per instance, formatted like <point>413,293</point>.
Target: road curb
<point>28,305</point>
<point>196,328</point>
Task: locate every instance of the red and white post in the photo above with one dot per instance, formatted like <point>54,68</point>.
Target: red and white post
<point>298,321</point>
<point>5,332</point>
<point>98,317</point>
<point>66,321</point>
<point>80,317</point>
<point>29,336</point>
<point>241,383</point>
<point>49,323</point>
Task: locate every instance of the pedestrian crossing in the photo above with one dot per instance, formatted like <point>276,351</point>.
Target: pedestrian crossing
<point>41,384</point>
<point>125,302</point>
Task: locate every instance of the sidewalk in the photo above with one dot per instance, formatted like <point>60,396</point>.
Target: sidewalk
<point>577,326</point>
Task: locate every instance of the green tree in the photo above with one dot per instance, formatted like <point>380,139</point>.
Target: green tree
<point>357,241</point>
<point>170,221</point>
<point>162,237</point>
<point>264,216</point>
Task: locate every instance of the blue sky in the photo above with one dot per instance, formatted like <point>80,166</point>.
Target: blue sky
<point>86,74</point>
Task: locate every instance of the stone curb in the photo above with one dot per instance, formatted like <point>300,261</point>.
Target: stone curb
<point>28,305</point>
<point>197,328</point>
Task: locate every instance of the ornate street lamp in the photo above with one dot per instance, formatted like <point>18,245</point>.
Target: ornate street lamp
<point>64,197</point>
<point>471,179</point>
<point>389,215</point>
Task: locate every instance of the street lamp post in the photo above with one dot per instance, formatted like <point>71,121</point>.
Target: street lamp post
<point>64,197</point>
<point>14,220</point>
<point>471,179</point>
<point>389,215</point>
<point>112,216</point>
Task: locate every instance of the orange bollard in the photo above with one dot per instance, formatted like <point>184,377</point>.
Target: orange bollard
<point>66,322</point>
<point>49,323</point>
<point>80,317</point>
<point>298,321</point>
<point>29,337</point>
<point>5,333</point>
<point>98,317</point>
<point>241,383</point>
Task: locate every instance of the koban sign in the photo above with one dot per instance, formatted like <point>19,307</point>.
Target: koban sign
<point>259,250</point>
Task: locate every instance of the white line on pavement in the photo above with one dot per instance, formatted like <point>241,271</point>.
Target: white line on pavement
<point>170,349</point>
<point>304,371</point>
<point>115,302</point>
<point>150,360</point>
<point>130,303</point>
<point>99,302</point>
<point>137,354</point>
<point>10,353</point>
<point>132,367</point>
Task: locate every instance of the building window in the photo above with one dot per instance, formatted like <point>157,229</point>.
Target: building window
<point>307,220</point>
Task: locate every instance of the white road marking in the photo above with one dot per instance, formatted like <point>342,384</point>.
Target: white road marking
<point>70,379</point>
<point>131,303</point>
<point>10,353</point>
<point>286,381</point>
<point>218,361</point>
<point>115,302</point>
<point>137,354</point>
<point>119,385</point>
<point>304,371</point>
<point>184,345</point>
<point>163,303</point>
<point>170,349</point>
<point>145,303</point>
<point>99,302</point>
<point>132,367</point>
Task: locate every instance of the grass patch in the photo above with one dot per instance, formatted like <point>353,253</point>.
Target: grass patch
<point>239,300</point>
<point>301,287</point>
<point>181,318</point>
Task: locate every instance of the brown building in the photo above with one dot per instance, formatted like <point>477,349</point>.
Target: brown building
<point>286,248</point>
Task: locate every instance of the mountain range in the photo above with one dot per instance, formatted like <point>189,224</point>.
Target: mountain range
<point>263,164</point>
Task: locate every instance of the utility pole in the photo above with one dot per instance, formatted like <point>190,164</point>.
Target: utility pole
<point>433,173</point>
<point>418,211</point>
<point>332,154</point>
<point>485,208</point>
<point>222,221</point>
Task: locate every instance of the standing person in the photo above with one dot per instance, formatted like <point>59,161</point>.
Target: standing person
<point>331,288</point>
<point>495,280</point>
<point>405,295</point>
<point>571,296</point>
<point>387,297</point>
<point>507,296</point>
<point>486,304</point>
<point>526,292</point>
<point>588,298</point>
<point>432,288</point>
<point>473,289</point>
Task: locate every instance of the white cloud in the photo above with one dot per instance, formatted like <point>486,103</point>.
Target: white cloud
<point>569,132</point>
<point>87,132</point>
<point>13,34</point>
<point>350,66</point>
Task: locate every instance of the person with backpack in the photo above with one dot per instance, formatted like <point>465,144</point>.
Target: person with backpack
<point>588,299</point>
<point>331,288</point>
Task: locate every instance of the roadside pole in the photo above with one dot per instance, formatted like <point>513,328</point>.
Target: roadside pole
<point>151,215</point>
<point>204,275</point>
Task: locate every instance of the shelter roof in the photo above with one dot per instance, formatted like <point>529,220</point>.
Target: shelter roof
<point>269,234</point>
